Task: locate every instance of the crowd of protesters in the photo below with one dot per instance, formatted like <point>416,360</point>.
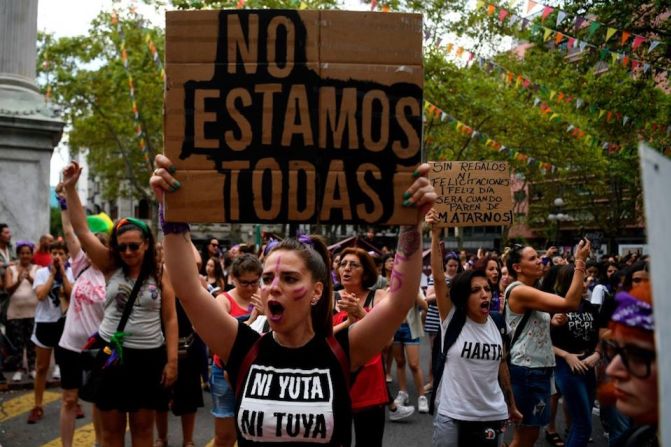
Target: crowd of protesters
<point>296,343</point>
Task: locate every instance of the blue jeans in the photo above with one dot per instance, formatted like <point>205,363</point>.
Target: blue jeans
<point>578,391</point>
<point>531,387</point>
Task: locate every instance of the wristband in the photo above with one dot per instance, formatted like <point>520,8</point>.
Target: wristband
<point>580,269</point>
<point>171,227</point>
<point>62,203</point>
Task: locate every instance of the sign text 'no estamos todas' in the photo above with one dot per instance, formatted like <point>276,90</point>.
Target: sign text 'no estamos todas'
<point>293,116</point>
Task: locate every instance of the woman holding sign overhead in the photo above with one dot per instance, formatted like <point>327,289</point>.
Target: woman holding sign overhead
<point>292,383</point>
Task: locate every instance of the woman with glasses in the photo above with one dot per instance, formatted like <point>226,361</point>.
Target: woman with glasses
<point>246,272</point>
<point>532,359</point>
<point>352,303</point>
<point>632,367</point>
<point>134,387</point>
<point>292,383</point>
<point>574,339</point>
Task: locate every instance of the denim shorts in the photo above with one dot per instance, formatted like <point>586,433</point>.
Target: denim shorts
<point>223,396</point>
<point>531,387</point>
<point>403,336</point>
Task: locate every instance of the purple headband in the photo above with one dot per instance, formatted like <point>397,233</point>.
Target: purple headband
<point>633,312</point>
<point>23,243</point>
<point>306,240</point>
<point>270,245</point>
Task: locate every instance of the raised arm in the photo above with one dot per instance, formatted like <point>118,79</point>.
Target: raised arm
<point>526,297</point>
<point>99,254</point>
<point>368,336</point>
<point>442,294</point>
<point>212,323</point>
<point>74,247</point>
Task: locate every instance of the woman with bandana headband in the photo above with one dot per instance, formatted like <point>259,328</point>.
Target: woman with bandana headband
<point>143,360</point>
<point>292,383</point>
<point>632,368</point>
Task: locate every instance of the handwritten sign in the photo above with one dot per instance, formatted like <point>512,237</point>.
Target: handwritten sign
<point>472,193</point>
<point>293,116</point>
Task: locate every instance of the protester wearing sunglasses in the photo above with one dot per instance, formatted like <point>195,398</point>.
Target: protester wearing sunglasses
<point>132,388</point>
<point>632,366</point>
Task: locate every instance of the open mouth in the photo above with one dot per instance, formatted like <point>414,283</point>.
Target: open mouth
<point>484,305</point>
<point>276,310</point>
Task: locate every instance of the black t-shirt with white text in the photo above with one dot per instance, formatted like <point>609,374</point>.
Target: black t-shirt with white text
<point>580,334</point>
<point>294,396</point>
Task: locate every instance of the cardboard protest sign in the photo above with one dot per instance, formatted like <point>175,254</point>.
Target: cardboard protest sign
<point>472,193</point>
<point>293,116</point>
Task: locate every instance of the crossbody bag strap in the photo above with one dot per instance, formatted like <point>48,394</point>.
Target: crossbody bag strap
<point>129,304</point>
<point>520,327</point>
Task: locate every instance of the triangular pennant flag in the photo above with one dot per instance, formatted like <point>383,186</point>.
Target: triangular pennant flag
<point>603,54</point>
<point>646,67</point>
<point>653,45</point>
<point>386,8</point>
<point>613,56</point>
<point>449,47</point>
<point>546,12</point>
<point>559,37</point>
<point>537,101</point>
<point>523,24</point>
<point>625,120</point>
<point>502,15</point>
<point>552,94</point>
<point>491,9</point>
<point>582,45</point>
<point>625,60</point>
<point>571,42</point>
<point>638,40</point>
<point>625,37</point>
<point>459,52</point>
<point>635,64</point>
<point>546,34</point>
<point>602,112</point>
<point>579,20</point>
<point>609,33</point>
<point>561,15</point>
<point>592,28</point>
<point>554,116</point>
<point>513,19</point>
<point>609,116</point>
<point>480,3</point>
<point>373,5</point>
<point>531,5</point>
<point>570,128</point>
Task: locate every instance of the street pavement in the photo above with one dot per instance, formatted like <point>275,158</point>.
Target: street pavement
<point>17,403</point>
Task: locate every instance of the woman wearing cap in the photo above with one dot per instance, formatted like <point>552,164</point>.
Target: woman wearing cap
<point>291,384</point>
<point>21,307</point>
<point>132,388</point>
<point>532,359</point>
<point>633,369</point>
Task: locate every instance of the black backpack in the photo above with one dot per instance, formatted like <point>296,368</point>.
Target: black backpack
<point>439,356</point>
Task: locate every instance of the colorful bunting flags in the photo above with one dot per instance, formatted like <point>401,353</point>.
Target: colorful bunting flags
<point>463,128</point>
<point>546,12</point>
<point>139,133</point>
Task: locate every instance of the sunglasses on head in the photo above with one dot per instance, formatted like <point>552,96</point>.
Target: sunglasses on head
<point>132,246</point>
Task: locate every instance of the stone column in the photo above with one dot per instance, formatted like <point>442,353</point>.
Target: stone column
<point>29,128</point>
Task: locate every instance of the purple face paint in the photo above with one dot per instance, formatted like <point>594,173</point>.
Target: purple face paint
<point>276,279</point>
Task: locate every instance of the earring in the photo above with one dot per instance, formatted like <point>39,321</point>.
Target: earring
<point>314,301</point>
